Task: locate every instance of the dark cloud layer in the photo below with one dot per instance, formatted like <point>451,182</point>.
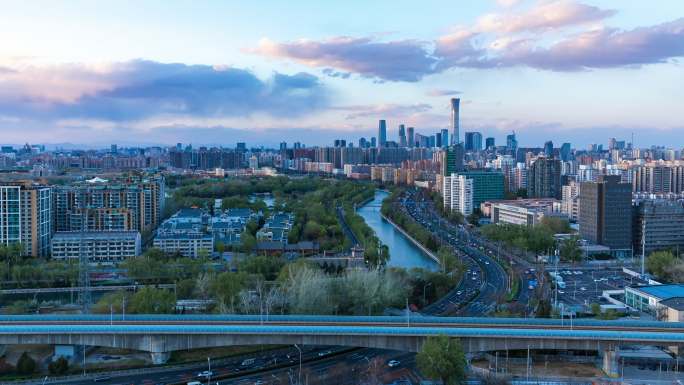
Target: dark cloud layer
<point>140,89</point>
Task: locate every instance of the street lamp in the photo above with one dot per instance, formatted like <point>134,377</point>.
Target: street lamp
<point>424,287</point>
<point>209,372</point>
<point>299,380</point>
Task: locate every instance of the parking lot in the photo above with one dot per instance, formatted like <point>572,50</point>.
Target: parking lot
<point>583,286</point>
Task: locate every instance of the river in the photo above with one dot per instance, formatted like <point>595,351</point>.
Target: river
<point>403,253</point>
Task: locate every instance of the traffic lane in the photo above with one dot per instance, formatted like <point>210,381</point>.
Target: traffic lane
<point>221,367</point>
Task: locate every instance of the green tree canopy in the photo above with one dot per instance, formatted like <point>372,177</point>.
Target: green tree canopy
<point>442,358</point>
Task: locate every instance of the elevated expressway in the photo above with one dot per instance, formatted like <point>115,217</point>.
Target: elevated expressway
<point>162,334</point>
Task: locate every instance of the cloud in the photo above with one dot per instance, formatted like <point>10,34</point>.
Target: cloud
<point>507,3</point>
<point>139,89</point>
<point>382,111</point>
<point>545,16</point>
<point>544,36</point>
<point>400,60</point>
<point>605,48</point>
<point>443,92</point>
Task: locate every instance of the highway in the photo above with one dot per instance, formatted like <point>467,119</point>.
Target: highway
<point>485,278</point>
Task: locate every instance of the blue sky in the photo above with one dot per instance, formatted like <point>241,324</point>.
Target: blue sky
<point>214,72</point>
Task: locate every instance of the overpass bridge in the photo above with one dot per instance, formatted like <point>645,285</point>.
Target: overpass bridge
<point>162,334</point>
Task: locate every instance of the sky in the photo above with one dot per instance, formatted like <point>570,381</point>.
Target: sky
<point>219,72</point>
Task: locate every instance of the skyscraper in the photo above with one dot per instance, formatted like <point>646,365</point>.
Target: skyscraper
<point>548,149</point>
<point>565,152</point>
<point>455,112</point>
<point>438,139</point>
<point>511,143</point>
<point>411,138</point>
<point>473,141</point>
<point>382,133</point>
<point>490,143</point>
<point>543,179</point>
<point>373,142</point>
<point>445,138</point>
<point>402,136</point>
<point>605,212</point>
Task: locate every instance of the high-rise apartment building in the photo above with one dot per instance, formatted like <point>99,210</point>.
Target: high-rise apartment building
<point>455,116</point>
<point>410,137</point>
<point>458,194</point>
<point>382,133</point>
<point>605,212</point>
<point>543,178</point>
<point>26,217</point>
<point>134,203</point>
<point>570,200</point>
<point>565,152</point>
<point>490,143</point>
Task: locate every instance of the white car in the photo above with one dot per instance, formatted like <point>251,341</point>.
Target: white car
<point>205,374</point>
<point>393,363</point>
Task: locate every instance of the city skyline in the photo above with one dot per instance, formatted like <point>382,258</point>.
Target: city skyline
<point>243,75</point>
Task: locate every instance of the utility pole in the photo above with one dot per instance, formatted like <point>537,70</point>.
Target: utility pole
<point>643,246</point>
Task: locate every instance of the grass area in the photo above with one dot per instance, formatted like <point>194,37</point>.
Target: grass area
<point>515,289</point>
<point>182,356</point>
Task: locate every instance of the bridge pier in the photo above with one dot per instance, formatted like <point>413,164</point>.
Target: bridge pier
<point>159,358</point>
<point>610,363</point>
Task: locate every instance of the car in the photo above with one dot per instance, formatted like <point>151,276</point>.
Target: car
<point>393,363</point>
<point>324,353</point>
<point>459,292</point>
<point>248,362</point>
<point>205,374</point>
<point>486,262</point>
<point>102,379</point>
<point>194,383</point>
<point>583,289</point>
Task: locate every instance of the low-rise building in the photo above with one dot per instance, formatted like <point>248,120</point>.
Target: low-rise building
<point>277,228</point>
<point>105,247</point>
<point>650,298</point>
<point>527,212</point>
<point>185,233</point>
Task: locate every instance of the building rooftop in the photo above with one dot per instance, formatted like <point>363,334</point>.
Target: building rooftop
<point>663,292</point>
<point>95,235</point>
<point>676,303</point>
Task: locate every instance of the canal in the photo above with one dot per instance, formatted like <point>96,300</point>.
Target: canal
<point>403,253</point>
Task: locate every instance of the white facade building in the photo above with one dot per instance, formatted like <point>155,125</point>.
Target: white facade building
<point>458,194</point>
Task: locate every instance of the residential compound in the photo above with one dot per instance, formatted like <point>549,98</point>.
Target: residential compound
<point>32,213</point>
<point>277,228</point>
<point>193,232</point>
<point>124,204</point>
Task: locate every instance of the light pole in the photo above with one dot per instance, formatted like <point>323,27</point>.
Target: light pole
<point>424,287</point>
<point>209,372</point>
<point>299,376</point>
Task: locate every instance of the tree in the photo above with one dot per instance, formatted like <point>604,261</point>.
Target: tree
<point>59,366</point>
<point>149,300</point>
<point>248,241</point>
<point>26,364</point>
<point>659,263</point>
<point>570,251</point>
<point>442,357</point>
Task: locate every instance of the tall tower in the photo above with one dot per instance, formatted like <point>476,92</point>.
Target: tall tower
<point>455,111</point>
<point>411,139</point>
<point>402,135</point>
<point>382,133</point>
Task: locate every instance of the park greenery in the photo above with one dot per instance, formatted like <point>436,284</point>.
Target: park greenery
<point>442,358</point>
<point>313,201</point>
<point>537,239</point>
